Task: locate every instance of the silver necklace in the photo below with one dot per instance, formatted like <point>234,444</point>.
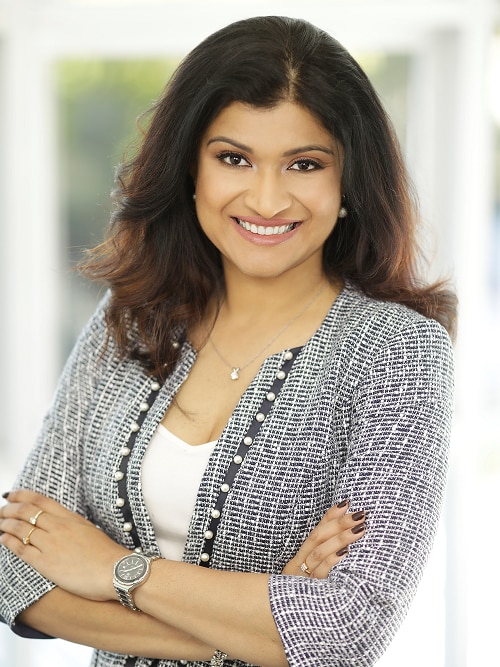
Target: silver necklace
<point>235,370</point>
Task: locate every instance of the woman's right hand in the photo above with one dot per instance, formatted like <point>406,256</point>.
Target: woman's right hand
<point>328,542</point>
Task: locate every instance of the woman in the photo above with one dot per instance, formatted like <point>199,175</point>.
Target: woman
<point>265,352</point>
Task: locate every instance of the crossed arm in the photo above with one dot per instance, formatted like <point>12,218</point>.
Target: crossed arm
<point>187,610</point>
<point>398,443</point>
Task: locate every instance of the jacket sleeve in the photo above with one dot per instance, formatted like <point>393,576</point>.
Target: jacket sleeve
<point>395,468</point>
<point>53,467</point>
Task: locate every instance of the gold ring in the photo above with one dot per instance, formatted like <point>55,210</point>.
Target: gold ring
<point>304,568</point>
<point>26,540</point>
<point>34,519</point>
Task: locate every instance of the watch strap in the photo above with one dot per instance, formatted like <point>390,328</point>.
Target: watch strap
<point>126,599</point>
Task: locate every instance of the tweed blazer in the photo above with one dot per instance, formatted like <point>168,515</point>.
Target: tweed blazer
<point>363,414</point>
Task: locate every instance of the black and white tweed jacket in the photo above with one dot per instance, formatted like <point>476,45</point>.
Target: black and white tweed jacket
<point>364,414</point>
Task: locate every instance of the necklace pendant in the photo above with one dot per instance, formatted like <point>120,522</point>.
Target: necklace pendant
<point>235,374</point>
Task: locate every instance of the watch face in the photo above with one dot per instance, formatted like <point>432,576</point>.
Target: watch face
<point>131,568</point>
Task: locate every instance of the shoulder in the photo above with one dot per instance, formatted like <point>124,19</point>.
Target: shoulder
<point>366,338</point>
<point>94,335</point>
<point>94,348</point>
<point>373,324</point>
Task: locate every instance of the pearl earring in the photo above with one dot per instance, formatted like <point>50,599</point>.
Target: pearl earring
<point>194,196</point>
<point>342,212</point>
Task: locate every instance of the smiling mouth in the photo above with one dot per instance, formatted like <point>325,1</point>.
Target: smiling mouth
<point>262,230</point>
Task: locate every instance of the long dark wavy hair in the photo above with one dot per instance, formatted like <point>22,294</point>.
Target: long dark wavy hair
<point>161,268</point>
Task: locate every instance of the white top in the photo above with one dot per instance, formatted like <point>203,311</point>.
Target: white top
<point>171,474</point>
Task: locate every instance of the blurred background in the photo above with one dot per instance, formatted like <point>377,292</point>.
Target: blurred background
<point>74,77</point>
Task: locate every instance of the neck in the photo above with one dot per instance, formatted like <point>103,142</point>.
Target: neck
<point>263,316</point>
<point>249,298</point>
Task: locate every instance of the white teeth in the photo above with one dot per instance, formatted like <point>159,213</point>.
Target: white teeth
<point>264,231</point>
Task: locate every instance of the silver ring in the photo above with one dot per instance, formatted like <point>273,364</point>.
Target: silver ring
<point>34,519</point>
<point>26,540</point>
<point>304,568</point>
<point>218,659</point>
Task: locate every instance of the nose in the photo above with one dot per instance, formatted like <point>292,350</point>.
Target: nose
<point>268,196</point>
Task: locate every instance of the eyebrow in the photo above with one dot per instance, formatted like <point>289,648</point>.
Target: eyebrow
<point>292,151</point>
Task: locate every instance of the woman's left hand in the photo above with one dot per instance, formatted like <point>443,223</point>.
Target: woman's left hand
<point>328,543</point>
<point>61,545</point>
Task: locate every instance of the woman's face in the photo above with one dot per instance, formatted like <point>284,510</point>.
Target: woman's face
<point>268,188</point>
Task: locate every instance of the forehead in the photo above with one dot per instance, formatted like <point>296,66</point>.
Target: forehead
<point>282,126</point>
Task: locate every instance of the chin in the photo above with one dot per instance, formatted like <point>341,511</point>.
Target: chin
<point>264,272</point>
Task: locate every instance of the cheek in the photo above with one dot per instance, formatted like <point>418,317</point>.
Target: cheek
<point>324,207</point>
<point>213,193</point>
<point>321,196</point>
<point>211,203</point>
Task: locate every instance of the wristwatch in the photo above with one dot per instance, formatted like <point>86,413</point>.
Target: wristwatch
<point>130,572</point>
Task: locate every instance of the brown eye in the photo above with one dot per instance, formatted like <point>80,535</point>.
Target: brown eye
<point>305,165</point>
<point>233,159</point>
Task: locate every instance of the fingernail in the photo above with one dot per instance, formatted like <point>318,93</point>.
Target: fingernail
<point>343,503</point>
<point>5,495</point>
<point>358,529</point>
<point>358,515</point>
<point>343,551</point>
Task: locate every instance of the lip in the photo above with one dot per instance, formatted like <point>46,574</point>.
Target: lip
<point>259,239</point>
